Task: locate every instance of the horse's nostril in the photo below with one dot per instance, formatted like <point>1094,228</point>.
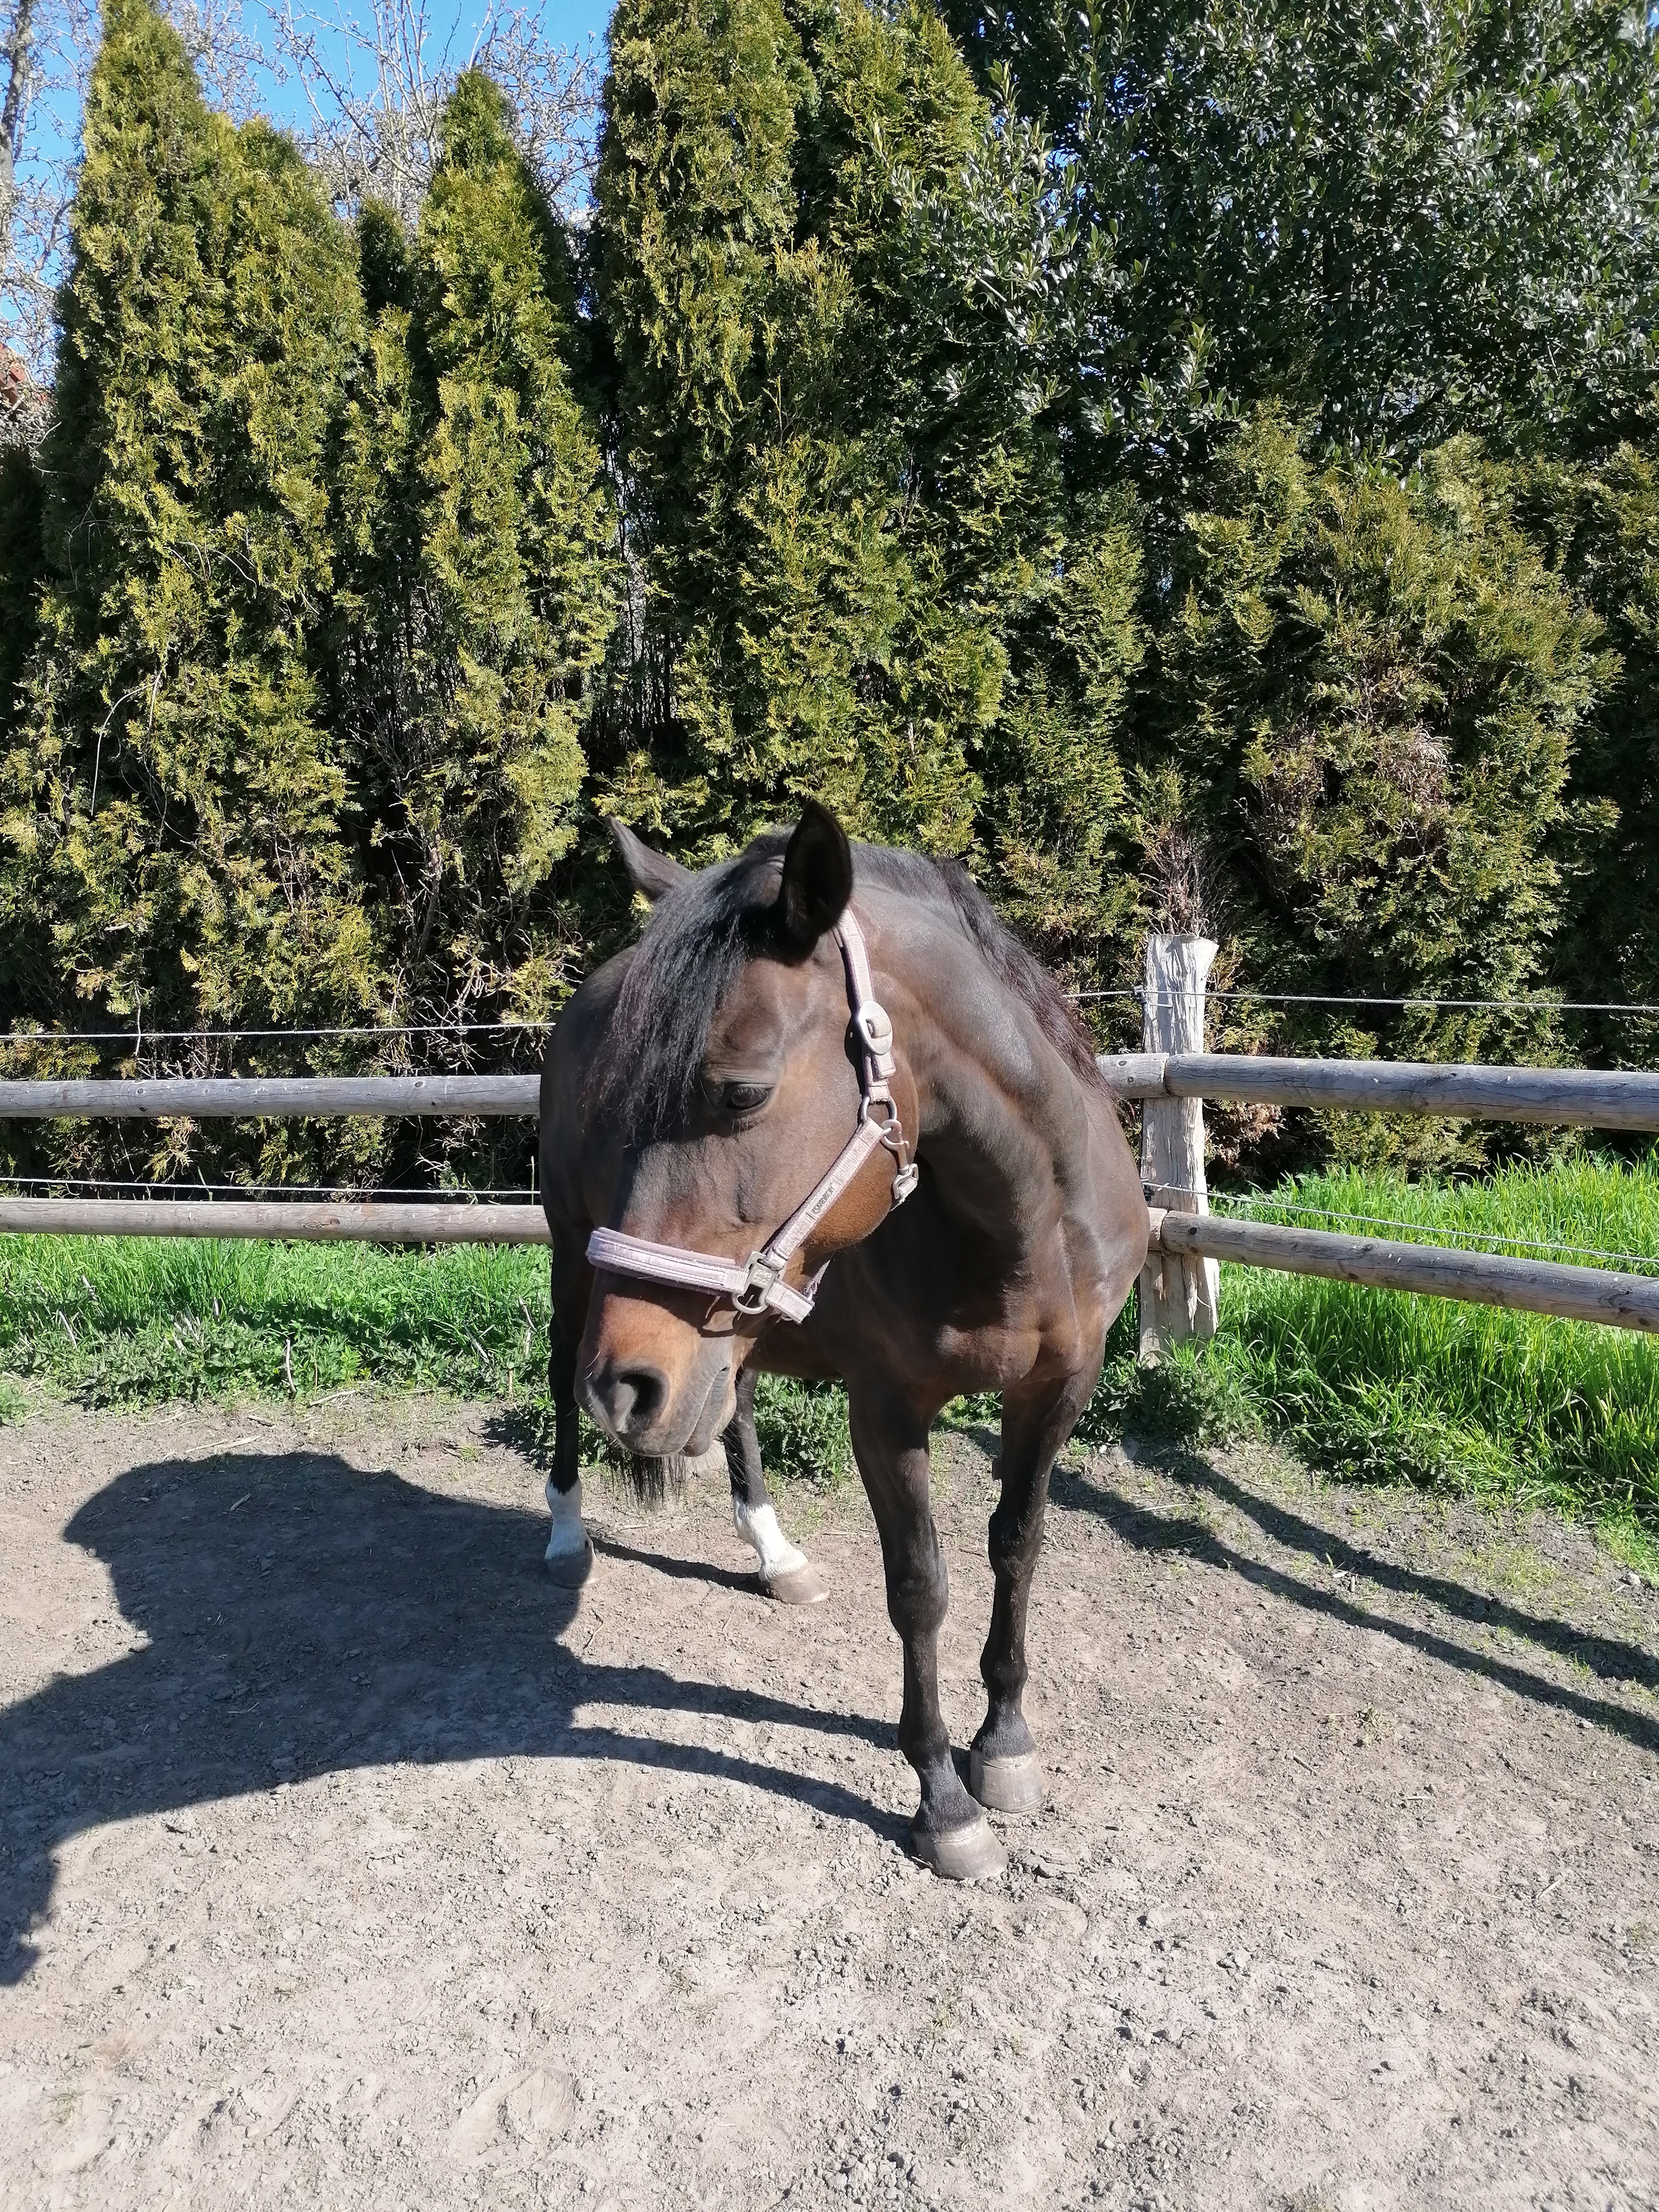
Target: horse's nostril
<point>635,1396</point>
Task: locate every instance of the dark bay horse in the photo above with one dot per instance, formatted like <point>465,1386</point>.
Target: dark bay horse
<point>828,1119</point>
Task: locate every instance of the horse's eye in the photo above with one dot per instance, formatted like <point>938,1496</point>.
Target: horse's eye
<point>744,1097</point>
<point>735,1097</point>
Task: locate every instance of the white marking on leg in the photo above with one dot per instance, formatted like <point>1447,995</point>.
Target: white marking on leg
<point>567,1537</point>
<point>777,1554</point>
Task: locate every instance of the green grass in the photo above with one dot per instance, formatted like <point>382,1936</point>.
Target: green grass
<point>1368,1384</point>
<point>137,1321</point>
<point>133,1320</point>
<point>1376,1384</point>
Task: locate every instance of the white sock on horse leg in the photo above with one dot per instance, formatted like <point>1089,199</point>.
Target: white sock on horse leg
<point>567,1535</point>
<point>777,1554</point>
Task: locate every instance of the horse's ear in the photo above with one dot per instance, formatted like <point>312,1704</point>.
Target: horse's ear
<point>650,874</point>
<point>818,876</point>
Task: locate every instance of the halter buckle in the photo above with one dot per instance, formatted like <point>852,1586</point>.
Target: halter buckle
<point>874,1028</point>
<point>761,1277</point>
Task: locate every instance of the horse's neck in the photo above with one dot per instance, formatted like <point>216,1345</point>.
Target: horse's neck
<point>1002,1117</point>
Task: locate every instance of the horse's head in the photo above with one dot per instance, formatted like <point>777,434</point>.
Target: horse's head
<point>731,1080</point>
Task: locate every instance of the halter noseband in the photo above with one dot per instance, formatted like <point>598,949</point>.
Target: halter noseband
<point>756,1285</point>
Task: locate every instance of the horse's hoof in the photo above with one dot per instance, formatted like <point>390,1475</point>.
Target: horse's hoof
<point>970,1853</point>
<point>801,1585</point>
<point>1007,1785</point>
<point>570,1570</point>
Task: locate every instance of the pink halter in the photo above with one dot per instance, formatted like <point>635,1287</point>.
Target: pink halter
<point>756,1285</point>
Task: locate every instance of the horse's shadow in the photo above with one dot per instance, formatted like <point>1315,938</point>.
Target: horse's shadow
<point>305,1618</point>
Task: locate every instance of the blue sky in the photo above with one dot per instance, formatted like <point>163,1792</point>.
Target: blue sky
<point>53,132</point>
<point>565,23</point>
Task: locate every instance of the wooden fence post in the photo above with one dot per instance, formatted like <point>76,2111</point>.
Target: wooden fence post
<point>1179,1297</point>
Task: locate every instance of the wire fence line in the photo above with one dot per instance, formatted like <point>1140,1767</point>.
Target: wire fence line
<point>1254,1205</point>
<point>1136,993</point>
<point>344,1193</point>
<point>1364,999</point>
<point>1260,1202</point>
<point>1139,992</point>
<point>142,1038</point>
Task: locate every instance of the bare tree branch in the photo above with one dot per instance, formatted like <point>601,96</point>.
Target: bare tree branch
<point>47,46</point>
<point>371,76</point>
<point>375,78</point>
<point>19,67</point>
<point>227,59</point>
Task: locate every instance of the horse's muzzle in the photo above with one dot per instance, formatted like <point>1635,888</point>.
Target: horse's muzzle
<point>636,1401</point>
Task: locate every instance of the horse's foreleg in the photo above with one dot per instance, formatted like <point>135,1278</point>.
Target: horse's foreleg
<point>949,1833</point>
<point>569,1555</point>
<point>1003,1770</point>
<point>785,1573</point>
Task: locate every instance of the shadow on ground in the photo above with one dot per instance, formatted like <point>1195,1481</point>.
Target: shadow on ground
<point>1608,1658</point>
<point>306,1618</point>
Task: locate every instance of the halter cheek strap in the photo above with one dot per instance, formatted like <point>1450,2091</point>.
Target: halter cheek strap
<point>756,1285</point>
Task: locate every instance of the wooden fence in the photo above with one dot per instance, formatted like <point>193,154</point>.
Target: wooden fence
<point>1487,1278</point>
<point>1172,1075</point>
<point>1169,1078</point>
<point>1575,1097</point>
<point>343,1221</point>
<point>252,1098</point>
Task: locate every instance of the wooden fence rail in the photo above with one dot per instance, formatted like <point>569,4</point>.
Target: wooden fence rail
<point>1580,1097</point>
<point>1485,1279</point>
<point>330,1222</point>
<point>239,1098</point>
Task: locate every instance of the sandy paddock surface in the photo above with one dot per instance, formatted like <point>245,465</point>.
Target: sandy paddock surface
<point>345,1861</point>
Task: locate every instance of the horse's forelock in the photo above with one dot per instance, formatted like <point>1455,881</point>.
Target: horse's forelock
<point>700,937</point>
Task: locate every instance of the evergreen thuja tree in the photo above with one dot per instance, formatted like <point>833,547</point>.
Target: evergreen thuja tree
<point>1055,827</point>
<point>479,599</point>
<point>1364,704</point>
<point>27,995</point>
<point>861,574</point>
<point>174,804</point>
<point>1404,223</point>
<point>20,571</point>
<point>1600,522</point>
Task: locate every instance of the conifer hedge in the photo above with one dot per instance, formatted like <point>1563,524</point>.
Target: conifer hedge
<point>863,576</point>
<point>1202,469</point>
<point>176,806</point>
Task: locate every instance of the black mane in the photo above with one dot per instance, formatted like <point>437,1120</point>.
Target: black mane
<point>703,933</point>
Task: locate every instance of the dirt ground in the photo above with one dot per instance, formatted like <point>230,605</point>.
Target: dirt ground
<point>345,1860</point>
